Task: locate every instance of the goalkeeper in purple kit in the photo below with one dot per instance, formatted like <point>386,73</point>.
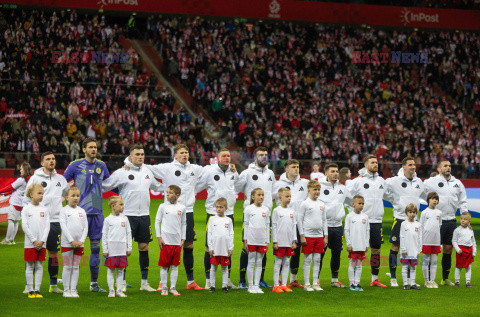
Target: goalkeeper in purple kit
<point>88,175</point>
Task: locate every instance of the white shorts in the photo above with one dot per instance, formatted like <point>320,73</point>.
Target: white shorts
<point>13,214</point>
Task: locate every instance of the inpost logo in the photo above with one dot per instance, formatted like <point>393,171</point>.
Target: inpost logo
<point>408,17</point>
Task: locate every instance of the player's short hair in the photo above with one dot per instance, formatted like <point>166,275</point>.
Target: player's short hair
<point>260,149</point>
<point>44,154</point>
<point>253,194</point>
<point>368,158</point>
<point>223,149</point>
<point>432,195</point>
<point>342,174</point>
<point>176,190</point>
<point>71,189</point>
<point>114,200</point>
<point>137,146</point>
<point>357,197</point>
<point>411,207</point>
<point>27,168</point>
<point>86,141</point>
<point>433,174</point>
<point>222,201</point>
<point>313,184</point>
<point>405,160</point>
<point>178,147</point>
<point>291,162</point>
<point>466,213</point>
<point>282,191</point>
<point>329,166</point>
<point>31,188</point>
<point>440,163</point>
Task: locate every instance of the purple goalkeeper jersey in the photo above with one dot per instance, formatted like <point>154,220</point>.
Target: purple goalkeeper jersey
<point>88,177</point>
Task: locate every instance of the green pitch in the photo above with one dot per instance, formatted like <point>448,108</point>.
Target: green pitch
<point>376,301</point>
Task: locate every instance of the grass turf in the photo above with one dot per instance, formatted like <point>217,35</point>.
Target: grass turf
<point>373,301</point>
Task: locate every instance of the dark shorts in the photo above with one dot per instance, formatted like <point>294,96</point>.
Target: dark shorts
<point>95,227</point>
<point>335,235</point>
<point>376,235</point>
<point>141,229</point>
<point>446,231</point>
<point>206,227</point>
<point>191,235</point>
<point>54,235</point>
<point>395,234</point>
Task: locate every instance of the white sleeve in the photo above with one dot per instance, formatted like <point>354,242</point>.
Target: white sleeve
<point>184,224</point>
<point>420,239</point>
<point>403,247</point>
<point>47,228</point>
<point>231,235</point>
<point>63,225</point>
<point>26,226</point>
<point>422,220</point>
<point>158,221</point>
<point>440,220</point>
<point>129,235</point>
<point>210,235</point>
<point>202,183</point>
<point>455,240</point>
<point>300,217</point>
<point>348,241</point>
<point>388,193</point>
<point>159,170</point>
<point>294,233</point>
<point>65,186</point>
<point>324,219</point>
<point>17,183</point>
<point>85,229</point>
<point>105,235</point>
<point>246,220</point>
<point>112,182</point>
<point>274,226</point>
<point>268,222</point>
<point>241,182</point>
<point>156,186</point>
<point>462,199</point>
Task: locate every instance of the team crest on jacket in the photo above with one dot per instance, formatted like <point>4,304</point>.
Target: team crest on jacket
<point>416,229</point>
<point>179,212</point>
<point>364,221</point>
<point>321,208</point>
<point>80,214</point>
<point>123,224</point>
<point>393,238</point>
<point>98,170</point>
<point>226,225</point>
<point>291,215</point>
<point>264,214</point>
<point>438,217</point>
<point>42,214</point>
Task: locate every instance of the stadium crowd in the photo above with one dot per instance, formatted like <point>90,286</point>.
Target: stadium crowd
<point>294,89</point>
<point>54,106</point>
<point>265,83</point>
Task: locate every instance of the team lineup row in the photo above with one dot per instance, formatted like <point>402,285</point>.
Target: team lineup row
<point>222,181</point>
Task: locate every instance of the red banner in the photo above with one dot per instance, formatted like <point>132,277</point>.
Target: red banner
<point>285,10</point>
